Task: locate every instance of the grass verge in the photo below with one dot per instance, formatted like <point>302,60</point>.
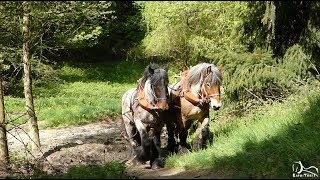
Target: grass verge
<point>264,144</point>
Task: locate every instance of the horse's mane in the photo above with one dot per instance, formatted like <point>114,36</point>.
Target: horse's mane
<point>196,74</point>
<point>154,77</point>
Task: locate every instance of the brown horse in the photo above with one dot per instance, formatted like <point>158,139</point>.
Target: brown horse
<point>190,101</point>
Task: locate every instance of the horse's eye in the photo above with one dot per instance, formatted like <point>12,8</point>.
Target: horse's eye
<point>208,84</point>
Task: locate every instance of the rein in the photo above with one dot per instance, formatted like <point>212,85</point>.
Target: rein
<point>143,101</point>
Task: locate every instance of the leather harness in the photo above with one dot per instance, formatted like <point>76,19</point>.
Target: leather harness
<point>143,101</point>
<point>186,93</point>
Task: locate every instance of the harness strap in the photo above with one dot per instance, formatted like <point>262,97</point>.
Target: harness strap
<point>186,93</point>
<point>143,101</point>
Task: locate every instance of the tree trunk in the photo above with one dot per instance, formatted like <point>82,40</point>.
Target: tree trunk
<point>4,153</point>
<point>32,119</point>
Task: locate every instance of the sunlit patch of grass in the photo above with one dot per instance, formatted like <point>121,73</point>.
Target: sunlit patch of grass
<point>76,103</point>
<point>86,92</point>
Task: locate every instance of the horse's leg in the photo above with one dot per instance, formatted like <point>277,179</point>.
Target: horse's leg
<point>156,160</point>
<point>129,133</point>
<point>201,137</point>
<point>144,151</point>
<point>184,147</point>
<point>171,137</point>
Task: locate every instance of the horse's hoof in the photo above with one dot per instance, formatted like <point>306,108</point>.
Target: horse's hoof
<point>155,167</point>
<point>183,150</point>
<point>157,164</point>
<point>140,154</point>
<point>132,162</point>
<point>197,144</point>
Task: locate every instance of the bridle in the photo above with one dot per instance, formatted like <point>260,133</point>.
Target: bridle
<point>203,94</point>
<point>144,102</point>
<point>156,99</point>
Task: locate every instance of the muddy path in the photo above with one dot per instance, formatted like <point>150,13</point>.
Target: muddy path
<point>96,143</point>
<point>61,148</point>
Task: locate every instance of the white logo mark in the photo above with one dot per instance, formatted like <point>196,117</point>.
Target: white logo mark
<point>301,171</point>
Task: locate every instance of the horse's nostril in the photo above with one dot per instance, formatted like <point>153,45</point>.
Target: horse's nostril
<point>216,108</point>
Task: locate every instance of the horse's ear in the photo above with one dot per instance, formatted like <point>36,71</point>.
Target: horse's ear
<point>208,71</point>
<point>220,67</point>
<point>151,71</point>
<point>166,67</point>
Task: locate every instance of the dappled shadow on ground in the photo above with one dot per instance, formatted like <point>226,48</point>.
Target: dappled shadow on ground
<point>142,172</point>
<point>298,142</point>
<point>102,138</point>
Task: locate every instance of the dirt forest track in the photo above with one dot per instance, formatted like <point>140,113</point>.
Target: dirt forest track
<point>61,148</point>
<point>95,143</point>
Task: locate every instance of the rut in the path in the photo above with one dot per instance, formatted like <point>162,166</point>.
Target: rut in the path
<point>95,143</point>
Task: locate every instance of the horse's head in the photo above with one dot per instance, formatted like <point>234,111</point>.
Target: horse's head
<point>206,79</point>
<point>211,86</point>
<point>156,85</point>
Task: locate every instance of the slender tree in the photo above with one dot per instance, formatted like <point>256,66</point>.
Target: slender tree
<point>4,153</point>
<point>32,119</point>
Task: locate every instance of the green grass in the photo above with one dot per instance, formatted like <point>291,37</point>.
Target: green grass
<point>265,143</point>
<point>86,92</point>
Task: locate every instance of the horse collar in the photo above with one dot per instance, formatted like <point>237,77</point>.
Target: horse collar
<point>187,94</point>
<point>142,100</point>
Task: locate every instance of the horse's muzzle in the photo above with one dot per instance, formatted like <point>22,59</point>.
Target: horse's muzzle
<point>216,108</point>
<point>163,105</point>
<point>216,105</point>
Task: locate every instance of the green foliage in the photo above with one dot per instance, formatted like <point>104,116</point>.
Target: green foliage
<point>63,24</point>
<point>311,39</point>
<point>297,62</point>
<point>182,31</point>
<point>2,65</point>
<point>264,144</point>
<point>127,30</point>
<point>66,30</point>
<point>242,36</point>
<point>111,170</point>
<point>277,26</point>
